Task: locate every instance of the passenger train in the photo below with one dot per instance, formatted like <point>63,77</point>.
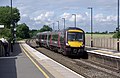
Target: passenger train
<point>70,42</point>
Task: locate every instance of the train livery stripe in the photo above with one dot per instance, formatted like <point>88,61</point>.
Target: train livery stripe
<point>75,31</point>
<point>75,43</point>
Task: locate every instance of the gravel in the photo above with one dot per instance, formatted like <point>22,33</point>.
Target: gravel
<point>78,65</point>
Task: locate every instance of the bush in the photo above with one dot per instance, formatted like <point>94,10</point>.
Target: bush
<point>116,35</point>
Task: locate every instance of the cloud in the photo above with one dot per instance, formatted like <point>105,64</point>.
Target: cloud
<point>87,14</point>
<point>103,18</point>
<point>111,18</point>
<point>49,14</point>
<point>80,17</point>
<point>70,17</point>
<point>70,8</point>
<point>24,15</point>
<point>36,13</point>
<point>66,16</point>
<point>99,17</point>
<point>38,18</point>
<point>44,18</point>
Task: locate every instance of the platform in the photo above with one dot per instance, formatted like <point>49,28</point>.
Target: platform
<point>18,65</point>
<point>55,68</point>
<point>26,62</point>
<point>105,52</point>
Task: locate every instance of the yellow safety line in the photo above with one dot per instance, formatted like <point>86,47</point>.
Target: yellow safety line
<point>40,69</point>
<point>106,52</point>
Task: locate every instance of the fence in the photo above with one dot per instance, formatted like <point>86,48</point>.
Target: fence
<point>108,43</point>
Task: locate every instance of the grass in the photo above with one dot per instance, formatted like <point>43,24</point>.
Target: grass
<point>100,35</point>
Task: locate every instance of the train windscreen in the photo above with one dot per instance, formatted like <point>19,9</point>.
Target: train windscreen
<point>75,36</point>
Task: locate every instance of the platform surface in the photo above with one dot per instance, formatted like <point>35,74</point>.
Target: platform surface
<point>18,65</point>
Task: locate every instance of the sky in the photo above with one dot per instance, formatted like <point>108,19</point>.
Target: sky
<point>36,13</point>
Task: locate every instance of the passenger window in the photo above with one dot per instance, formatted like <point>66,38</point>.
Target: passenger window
<point>55,37</point>
<point>61,38</point>
<point>49,37</point>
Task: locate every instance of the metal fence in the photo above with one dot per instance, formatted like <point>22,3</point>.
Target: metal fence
<point>107,43</point>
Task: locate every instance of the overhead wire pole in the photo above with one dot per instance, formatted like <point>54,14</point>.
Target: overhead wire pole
<point>11,18</point>
<point>12,23</point>
<point>118,28</point>
<point>11,10</point>
<point>48,25</point>
<point>64,26</point>
<point>53,26</point>
<point>75,19</point>
<point>58,25</point>
<point>64,22</point>
<point>11,27</point>
<point>91,16</point>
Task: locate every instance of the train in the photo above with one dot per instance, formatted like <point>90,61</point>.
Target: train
<point>69,42</point>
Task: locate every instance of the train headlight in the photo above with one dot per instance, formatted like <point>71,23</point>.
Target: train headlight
<point>67,44</point>
<point>82,45</point>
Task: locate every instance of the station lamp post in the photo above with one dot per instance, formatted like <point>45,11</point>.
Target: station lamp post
<point>11,16</point>
<point>11,10</point>
<point>118,28</point>
<point>64,22</point>
<point>53,26</point>
<point>75,19</point>
<point>12,23</point>
<point>48,25</point>
<point>58,25</point>
<point>91,10</point>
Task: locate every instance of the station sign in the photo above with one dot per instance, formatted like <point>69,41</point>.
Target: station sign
<point>1,26</point>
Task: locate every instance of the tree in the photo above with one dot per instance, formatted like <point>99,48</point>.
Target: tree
<point>116,35</point>
<point>5,19</point>
<point>5,33</point>
<point>33,33</point>
<point>22,31</point>
<point>45,28</point>
<point>5,15</point>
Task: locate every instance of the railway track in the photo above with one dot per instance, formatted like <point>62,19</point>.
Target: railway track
<point>85,67</point>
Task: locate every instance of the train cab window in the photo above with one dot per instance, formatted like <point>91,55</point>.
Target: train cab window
<point>79,36</point>
<point>74,36</point>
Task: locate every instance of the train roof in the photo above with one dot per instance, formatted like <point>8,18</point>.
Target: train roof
<point>46,32</point>
<point>61,31</point>
<point>74,28</point>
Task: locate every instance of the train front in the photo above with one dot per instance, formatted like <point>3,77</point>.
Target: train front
<point>75,41</point>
